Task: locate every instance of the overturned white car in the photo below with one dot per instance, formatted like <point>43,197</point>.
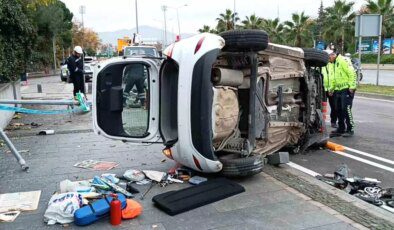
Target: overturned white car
<point>217,103</point>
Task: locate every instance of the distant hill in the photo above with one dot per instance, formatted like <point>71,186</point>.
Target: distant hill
<point>148,33</point>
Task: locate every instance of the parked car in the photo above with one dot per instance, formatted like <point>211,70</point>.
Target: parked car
<point>64,73</point>
<point>218,103</point>
<point>88,68</point>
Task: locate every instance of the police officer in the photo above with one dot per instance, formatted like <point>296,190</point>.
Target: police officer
<point>75,67</point>
<point>344,84</point>
<point>328,82</point>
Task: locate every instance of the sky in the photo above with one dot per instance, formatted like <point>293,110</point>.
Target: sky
<point>104,16</point>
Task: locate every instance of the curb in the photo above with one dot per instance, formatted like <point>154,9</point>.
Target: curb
<point>375,96</point>
<point>351,207</point>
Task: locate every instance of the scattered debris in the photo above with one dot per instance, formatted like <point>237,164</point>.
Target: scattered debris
<point>61,208</point>
<point>164,160</point>
<point>34,125</point>
<point>78,186</point>
<point>46,132</point>
<point>366,189</point>
<point>197,180</point>
<point>96,165</point>
<point>20,201</point>
<point>154,175</point>
<point>9,216</point>
<point>134,175</point>
<point>17,116</point>
<point>334,147</point>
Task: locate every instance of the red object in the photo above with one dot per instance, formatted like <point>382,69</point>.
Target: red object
<point>178,38</point>
<point>115,210</point>
<point>199,44</point>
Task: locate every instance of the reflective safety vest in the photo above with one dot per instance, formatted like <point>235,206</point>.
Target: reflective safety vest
<point>339,75</point>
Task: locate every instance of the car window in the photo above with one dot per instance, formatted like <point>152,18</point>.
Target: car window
<point>145,51</point>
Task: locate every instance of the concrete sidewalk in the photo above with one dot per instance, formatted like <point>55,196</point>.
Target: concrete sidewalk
<point>374,66</point>
<point>266,204</point>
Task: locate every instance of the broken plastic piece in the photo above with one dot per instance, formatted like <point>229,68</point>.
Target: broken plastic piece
<point>334,147</point>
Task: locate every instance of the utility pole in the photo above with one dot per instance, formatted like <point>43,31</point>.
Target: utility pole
<point>136,15</point>
<point>164,9</point>
<point>82,11</point>
<point>54,53</point>
<point>234,16</point>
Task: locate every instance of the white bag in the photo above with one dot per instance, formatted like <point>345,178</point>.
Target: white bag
<point>61,208</point>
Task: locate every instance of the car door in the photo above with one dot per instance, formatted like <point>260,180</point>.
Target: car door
<point>126,100</point>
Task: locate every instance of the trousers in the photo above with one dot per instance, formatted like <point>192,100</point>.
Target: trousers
<point>343,105</point>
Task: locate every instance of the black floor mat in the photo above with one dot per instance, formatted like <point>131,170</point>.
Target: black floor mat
<point>175,202</point>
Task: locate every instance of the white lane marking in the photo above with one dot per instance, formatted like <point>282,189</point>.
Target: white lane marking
<point>364,161</point>
<point>370,155</point>
<point>303,169</point>
<point>374,99</point>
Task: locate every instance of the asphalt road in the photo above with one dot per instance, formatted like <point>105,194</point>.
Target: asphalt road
<point>386,77</point>
<point>370,152</point>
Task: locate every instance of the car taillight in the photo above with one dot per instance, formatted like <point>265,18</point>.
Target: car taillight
<point>199,44</point>
<point>167,152</point>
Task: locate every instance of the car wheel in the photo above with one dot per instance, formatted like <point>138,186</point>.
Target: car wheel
<point>315,58</point>
<point>245,40</point>
<point>236,166</point>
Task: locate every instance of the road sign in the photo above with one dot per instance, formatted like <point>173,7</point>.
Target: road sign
<point>368,25</point>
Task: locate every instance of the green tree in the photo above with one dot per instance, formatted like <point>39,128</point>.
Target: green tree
<point>339,23</point>
<point>275,30</point>
<point>386,9</point>
<point>227,21</point>
<point>16,39</point>
<point>298,31</point>
<point>252,22</point>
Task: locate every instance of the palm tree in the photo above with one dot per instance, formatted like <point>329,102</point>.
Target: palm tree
<point>252,22</point>
<point>204,29</point>
<point>298,30</point>
<point>339,21</point>
<point>227,21</point>
<point>386,9</point>
<point>275,30</point>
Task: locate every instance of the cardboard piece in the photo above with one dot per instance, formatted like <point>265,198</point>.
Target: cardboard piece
<point>96,165</point>
<point>19,201</point>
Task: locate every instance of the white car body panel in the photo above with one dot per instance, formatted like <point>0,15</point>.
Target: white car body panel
<point>183,53</point>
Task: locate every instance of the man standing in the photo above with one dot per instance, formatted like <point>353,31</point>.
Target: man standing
<point>344,84</point>
<point>134,74</point>
<point>75,67</point>
<point>328,82</point>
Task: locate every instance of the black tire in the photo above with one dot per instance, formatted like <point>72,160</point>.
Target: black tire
<point>245,40</point>
<point>236,166</point>
<point>315,58</point>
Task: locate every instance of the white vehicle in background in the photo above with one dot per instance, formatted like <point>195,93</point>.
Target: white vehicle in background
<point>64,73</point>
<point>217,103</point>
<point>88,67</point>
<point>141,50</point>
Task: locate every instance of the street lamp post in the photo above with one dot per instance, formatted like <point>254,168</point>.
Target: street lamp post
<point>136,15</point>
<point>177,16</point>
<point>164,8</point>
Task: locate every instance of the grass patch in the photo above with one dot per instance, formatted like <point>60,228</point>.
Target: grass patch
<point>382,90</point>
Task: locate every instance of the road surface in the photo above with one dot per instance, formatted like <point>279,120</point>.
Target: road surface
<point>386,77</point>
<point>369,153</point>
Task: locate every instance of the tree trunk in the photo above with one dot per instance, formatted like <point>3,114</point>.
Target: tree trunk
<point>343,41</point>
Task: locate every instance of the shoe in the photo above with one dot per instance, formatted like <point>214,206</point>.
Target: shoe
<point>334,125</point>
<point>348,134</point>
<point>337,132</point>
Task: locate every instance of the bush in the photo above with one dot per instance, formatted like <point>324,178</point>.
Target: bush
<point>373,58</point>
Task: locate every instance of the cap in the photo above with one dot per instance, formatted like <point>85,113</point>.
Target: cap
<point>78,49</point>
